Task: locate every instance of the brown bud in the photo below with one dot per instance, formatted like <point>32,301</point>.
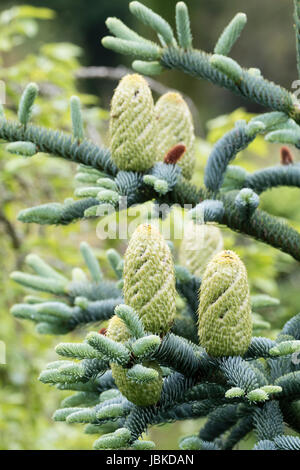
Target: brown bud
<point>174,154</point>
<point>286,157</point>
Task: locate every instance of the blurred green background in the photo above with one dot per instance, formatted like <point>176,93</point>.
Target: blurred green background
<point>49,45</point>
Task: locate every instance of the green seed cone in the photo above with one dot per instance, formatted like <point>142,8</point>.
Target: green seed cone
<point>200,243</point>
<point>132,129</point>
<point>225,322</point>
<point>149,280</point>
<point>175,125</point>
<point>140,394</point>
<point>117,330</point>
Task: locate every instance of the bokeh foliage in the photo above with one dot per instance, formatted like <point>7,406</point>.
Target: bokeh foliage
<point>25,409</point>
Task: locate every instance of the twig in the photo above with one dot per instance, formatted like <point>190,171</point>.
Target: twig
<point>10,230</point>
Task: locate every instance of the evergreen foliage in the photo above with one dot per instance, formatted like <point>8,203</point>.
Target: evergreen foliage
<point>149,368</point>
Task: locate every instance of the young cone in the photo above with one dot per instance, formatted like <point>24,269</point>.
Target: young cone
<point>145,394</point>
<point>225,322</point>
<point>200,243</point>
<point>132,129</point>
<point>174,126</point>
<point>149,280</point>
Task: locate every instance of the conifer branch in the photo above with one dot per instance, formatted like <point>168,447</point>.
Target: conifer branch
<point>251,87</point>
<point>230,34</point>
<point>137,372</point>
<point>76,116</point>
<point>180,354</point>
<point>26,103</point>
<point>183,26</point>
<point>238,432</point>
<point>268,421</point>
<point>221,420</point>
<point>287,443</point>
<point>283,175</point>
<point>199,64</point>
<point>58,144</point>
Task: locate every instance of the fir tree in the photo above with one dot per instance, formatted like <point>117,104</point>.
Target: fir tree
<point>239,382</point>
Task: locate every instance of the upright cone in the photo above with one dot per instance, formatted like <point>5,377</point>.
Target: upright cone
<point>132,130</point>
<point>174,124</point>
<point>225,322</point>
<point>149,279</point>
